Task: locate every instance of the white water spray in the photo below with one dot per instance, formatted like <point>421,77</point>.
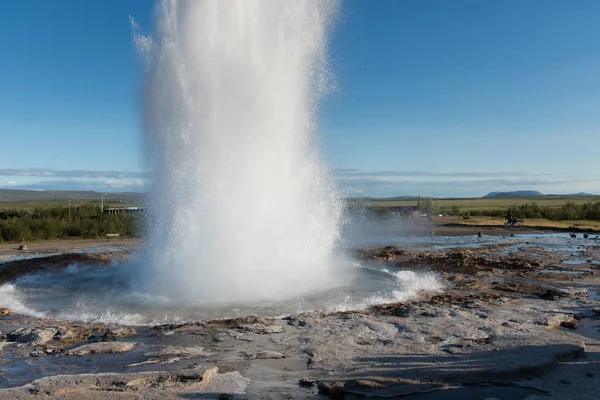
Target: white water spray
<point>242,206</point>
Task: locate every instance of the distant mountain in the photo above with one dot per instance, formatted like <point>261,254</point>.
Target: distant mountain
<point>580,194</point>
<point>406,197</point>
<point>516,193</point>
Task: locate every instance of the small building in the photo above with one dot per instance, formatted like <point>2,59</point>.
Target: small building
<point>406,212</point>
<point>124,210</point>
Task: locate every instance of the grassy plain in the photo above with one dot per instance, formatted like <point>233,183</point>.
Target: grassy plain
<point>582,225</point>
<point>31,205</point>
<point>30,199</point>
<point>482,204</point>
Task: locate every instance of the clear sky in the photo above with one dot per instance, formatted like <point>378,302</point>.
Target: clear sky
<point>439,98</point>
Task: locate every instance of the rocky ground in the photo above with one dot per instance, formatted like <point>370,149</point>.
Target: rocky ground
<point>515,321</point>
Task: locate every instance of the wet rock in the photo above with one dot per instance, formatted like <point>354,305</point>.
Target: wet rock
<point>23,247</point>
<point>306,382</point>
<point>101,348</point>
<point>34,337</point>
<point>269,354</point>
<point>384,254</point>
<point>263,355</point>
<point>5,311</point>
<point>562,320</point>
<point>177,351</point>
<point>333,389</point>
<point>573,235</point>
<point>585,235</point>
<point>297,321</point>
<point>119,333</point>
<point>261,329</point>
<point>249,320</point>
<point>393,309</point>
<point>552,294</point>
<point>56,337</point>
<point>240,336</point>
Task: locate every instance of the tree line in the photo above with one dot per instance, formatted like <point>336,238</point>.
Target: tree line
<point>82,221</point>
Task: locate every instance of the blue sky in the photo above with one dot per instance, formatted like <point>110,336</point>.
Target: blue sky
<point>439,98</point>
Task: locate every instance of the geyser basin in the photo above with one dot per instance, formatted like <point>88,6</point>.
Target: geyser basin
<point>100,294</point>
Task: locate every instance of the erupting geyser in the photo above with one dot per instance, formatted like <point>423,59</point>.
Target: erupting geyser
<point>242,207</point>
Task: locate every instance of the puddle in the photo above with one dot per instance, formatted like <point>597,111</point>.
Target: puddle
<point>574,262</point>
<point>589,328</point>
<point>561,272</point>
<point>474,393</point>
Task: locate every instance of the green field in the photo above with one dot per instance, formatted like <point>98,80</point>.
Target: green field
<point>32,199</point>
<point>481,204</point>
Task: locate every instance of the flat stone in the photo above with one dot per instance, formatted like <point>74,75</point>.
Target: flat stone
<point>101,348</point>
<point>262,329</point>
<point>240,336</point>
<point>269,354</point>
<point>34,337</point>
<point>176,351</point>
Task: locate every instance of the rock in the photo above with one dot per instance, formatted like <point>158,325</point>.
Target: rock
<point>263,355</point>
<point>589,375</point>
<point>101,348</point>
<point>384,254</point>
<point>240,336</point>
<point>479,234</point>
<point>34,337</point>
<point>306,382</point>
<point>142,363</point>
<point>177,351</point>
<point>261,329</point>
<point>5,311</point>
<point>552,294</point>
<point>566,321</point>
<point>23,247</point>
<point>225,396</point>
<point>119,333</point>
<point>269,354</point>
<point>333,389</point>
<point>573,235</point>
<point>585,235</point>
